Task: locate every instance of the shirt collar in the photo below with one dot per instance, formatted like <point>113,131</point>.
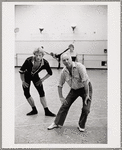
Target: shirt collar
<point>42,61</point>
<point>73,65</point>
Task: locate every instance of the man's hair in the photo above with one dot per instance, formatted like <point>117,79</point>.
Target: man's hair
<point>71,45</point>
<point>38,50</point>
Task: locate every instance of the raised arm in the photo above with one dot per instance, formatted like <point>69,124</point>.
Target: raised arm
<point>22,72</point>
<point>45,77</point>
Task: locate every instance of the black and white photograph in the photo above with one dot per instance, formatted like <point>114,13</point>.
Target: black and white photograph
<point>61,66</point>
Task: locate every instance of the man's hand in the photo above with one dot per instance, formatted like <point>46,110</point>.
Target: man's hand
<point>24,84</point>
<point>86,99</point>
<point>39,83</point>
<point>63,101</point>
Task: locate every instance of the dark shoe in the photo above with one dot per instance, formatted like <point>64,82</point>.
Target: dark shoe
<point>50,114</point>
<point>33,112</point>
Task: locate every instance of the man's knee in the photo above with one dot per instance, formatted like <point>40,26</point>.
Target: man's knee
<point>65,106</point>
<point>27,96</point>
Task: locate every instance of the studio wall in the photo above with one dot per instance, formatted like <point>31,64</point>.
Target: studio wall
<point>89,36</point>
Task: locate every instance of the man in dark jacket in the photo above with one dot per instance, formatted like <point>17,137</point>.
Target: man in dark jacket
<point>29,72</point>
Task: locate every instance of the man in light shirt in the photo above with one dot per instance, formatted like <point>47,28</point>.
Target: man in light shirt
<point>74,73</point>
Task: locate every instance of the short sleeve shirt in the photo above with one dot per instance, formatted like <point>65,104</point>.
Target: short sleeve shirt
<point>79,75</point>
<point>28,65</point>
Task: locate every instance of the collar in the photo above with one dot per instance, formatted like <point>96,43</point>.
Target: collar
<point>73,66</point>
<point>42,62</point>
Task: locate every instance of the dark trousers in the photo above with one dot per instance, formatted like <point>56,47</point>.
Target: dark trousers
<point>39,88</point>
<point>71,97</point>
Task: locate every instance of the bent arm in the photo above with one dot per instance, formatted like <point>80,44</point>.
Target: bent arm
<point>62,99</point>
<point>22,77</point>
<point>45,77</point>
<point>25,85</point>
<point>60,86</point>
<point>86,87</point>
<point>60,92</point>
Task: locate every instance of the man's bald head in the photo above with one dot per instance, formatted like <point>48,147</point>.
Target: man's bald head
<point>67,61</point>
<point>64,56</point>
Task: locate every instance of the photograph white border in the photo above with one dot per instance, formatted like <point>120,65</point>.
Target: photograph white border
<point>8,76</point>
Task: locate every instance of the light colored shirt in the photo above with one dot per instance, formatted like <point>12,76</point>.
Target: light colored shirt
<point>79,75</point>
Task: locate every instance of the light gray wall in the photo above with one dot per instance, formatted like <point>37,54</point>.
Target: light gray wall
<point>89,37</point>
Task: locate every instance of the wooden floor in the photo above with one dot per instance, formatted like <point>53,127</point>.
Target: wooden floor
<point>33,129</point>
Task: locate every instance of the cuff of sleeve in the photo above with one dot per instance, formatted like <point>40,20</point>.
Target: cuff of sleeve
<point>85,80</point>
<point>21,72</point>
<point>50,74</point>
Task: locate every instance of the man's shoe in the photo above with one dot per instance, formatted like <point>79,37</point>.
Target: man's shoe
<point>53,125</point>
<point>33,112</point>
<point>81,129</point>
<point>49,113</point>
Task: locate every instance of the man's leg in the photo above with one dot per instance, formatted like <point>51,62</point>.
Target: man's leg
<point>62,113</point>
<point>34,110</point>
<point>84,114</point>
<point>44,104</point>
<point>43,100</point>
<point>85,109</point>
<point>30,100</point>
